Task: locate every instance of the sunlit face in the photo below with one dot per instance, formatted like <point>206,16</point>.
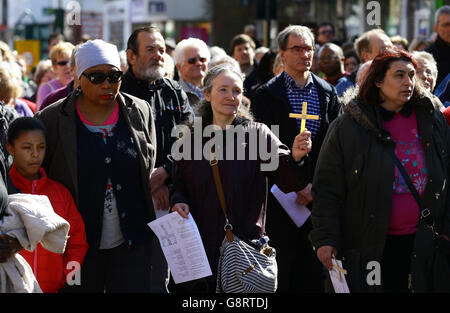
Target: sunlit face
<point>244,54</point>
<point>351,64</point>
<point>329,62</point>
<point>28,151</point>
<point>103,93</point>
<point>443,27</point>
<point>225,95</point>
<point>398,84</point>
<point>298,56</point>
<point>62,69</point>
<point>425,74</point>
<point>194,67</point>
<point>325,34</point>
<point>148,63</point>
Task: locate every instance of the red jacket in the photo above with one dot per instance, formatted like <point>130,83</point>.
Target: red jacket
<point>50,268</point>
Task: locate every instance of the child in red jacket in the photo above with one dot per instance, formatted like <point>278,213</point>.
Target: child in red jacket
<point>27,144</point>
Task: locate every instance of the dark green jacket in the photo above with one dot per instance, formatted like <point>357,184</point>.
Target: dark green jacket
<point>353,187</point>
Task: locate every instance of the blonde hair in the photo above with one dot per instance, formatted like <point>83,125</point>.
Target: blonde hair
<point>400,40</point>
<point>9,85</point>
<point>278,65</point>
<point>6,52</point>
<point>63,48</point>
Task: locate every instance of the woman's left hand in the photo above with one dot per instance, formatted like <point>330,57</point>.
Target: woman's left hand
<point>302,145</point>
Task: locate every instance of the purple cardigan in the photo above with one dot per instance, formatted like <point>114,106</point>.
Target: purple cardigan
<point>244,186</point>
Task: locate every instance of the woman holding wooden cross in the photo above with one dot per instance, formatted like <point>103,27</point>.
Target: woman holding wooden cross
<point>243,180</point>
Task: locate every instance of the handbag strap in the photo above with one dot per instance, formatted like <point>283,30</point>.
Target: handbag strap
<point>228,227</point>
<point>215,169</point>
<point>424,213</point>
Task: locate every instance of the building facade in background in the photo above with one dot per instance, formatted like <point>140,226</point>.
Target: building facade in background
<point>214,21</point>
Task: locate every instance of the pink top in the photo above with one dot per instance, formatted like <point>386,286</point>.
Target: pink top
<point>112,119</point>
<point>45,89</point>
<point>408,149</point>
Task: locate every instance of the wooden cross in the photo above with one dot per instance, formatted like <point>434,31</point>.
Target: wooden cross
<point>339,269</point>
<point>303,117</point>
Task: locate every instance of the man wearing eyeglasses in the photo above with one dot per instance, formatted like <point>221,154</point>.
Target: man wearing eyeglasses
<point>325,33</point>
<point>146,79</point>
<point>298,267</point>
<point>191,59</point>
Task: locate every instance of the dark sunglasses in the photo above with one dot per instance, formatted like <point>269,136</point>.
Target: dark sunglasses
<point>62,63</point>
<point>323,32</point>
<point>99,77</point>
<point>193,60</point>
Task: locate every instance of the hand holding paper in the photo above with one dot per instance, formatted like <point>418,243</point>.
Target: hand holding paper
<point>337,275</point>
<point>298,213</point>
<point>182,246</point>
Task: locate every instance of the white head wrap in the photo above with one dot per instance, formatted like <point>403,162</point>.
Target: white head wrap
<point>96,52</point>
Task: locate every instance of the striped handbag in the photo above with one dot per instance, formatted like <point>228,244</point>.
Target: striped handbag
<point>242,268</point>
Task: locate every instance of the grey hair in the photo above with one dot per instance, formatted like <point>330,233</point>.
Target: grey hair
<point>224,59</point>
<point>215,71</point>
<point>425,56</point>
<point>216,51</point>
<point>441,11</point>
<point>297,30</point>
<point>178,53</point>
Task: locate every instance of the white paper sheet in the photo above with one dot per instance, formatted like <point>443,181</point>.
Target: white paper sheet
<point>182,246</point>
<point>298,213</point>
<point>339,283</point>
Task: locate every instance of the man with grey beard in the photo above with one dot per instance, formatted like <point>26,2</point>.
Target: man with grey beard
<point>145,79</point>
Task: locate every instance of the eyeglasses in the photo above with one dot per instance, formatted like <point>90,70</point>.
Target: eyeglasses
<point>194,59</point>
<point>62,63</point>
<point>99,77</point>
<point>323,32</point>
<point>298,49</point>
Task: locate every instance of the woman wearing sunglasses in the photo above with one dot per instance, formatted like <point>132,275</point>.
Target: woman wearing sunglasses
<point>60,57</point>
<point>101,146</point>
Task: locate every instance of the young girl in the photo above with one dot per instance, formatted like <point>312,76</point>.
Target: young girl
<point>27,144</point>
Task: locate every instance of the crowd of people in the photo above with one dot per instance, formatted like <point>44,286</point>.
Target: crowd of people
<point>92,129</point>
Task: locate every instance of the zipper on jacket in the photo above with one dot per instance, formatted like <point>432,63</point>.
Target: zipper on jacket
<point>35,271</point>
<point>33,187</point>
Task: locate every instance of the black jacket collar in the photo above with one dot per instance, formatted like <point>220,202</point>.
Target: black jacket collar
<point>389,115</point>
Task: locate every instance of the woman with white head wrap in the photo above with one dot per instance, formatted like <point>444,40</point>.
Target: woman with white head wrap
<point>102,148</point>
